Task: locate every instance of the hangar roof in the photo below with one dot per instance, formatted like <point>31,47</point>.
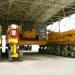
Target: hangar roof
<point>46,11</point>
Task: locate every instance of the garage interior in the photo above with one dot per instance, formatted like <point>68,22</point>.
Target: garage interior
<point>41,13</point>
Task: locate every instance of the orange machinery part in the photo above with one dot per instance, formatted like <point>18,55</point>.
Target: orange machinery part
<point>16,37</point>
<point>63,36</point>
<point>29,34</point>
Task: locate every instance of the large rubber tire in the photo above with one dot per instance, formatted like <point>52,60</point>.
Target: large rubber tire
<point>49,50</point>
<point>46,51</point>
<point>9,56</point>
<point>53,50</point>
<point>39,50</point>
<point>64,52</point>
<point>58,51</point>
<point>72,53</point>
<point>20,55</point>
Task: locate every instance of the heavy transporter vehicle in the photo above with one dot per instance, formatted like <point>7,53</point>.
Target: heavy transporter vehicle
<point>13,43</point>
<point>60,44</point>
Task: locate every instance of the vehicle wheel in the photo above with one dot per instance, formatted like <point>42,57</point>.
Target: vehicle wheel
<point>52,50</point>
<point>20,55</point>
<point>48,50</point>
<point>39,50</point>
<point>59,50</point>
<point>56,52</point>
<point>72,53</point>
<point>9,56</point>
<point>64,52</point>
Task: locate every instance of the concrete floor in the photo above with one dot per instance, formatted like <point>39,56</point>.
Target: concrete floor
<point>39,65</point>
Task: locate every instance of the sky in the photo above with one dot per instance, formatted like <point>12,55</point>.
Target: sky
<point>67,23</point>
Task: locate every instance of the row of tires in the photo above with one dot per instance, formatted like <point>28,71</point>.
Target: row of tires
<point>59,50</point>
